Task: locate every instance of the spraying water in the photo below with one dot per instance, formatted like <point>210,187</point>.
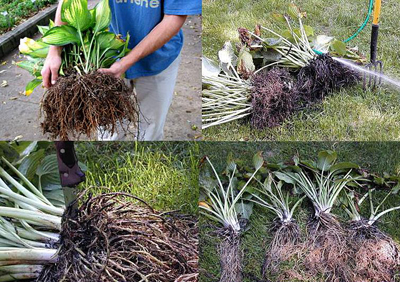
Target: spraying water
<point>361,69</point>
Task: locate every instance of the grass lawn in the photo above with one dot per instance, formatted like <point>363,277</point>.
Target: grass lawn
<point>165,174</point>
<point>350,114</point>
<point>374,156</point>
<point>13,12</point>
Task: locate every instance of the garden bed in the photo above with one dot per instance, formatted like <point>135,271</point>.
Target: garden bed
<point>14,12</point>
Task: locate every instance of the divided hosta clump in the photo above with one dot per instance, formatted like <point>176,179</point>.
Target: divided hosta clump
<point>227,202</point>
<point>82,101</point>
<point>325,251</point>
<point>287,236</point>
<point>376,255</point>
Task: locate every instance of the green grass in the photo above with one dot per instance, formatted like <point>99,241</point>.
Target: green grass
<point>378,157</point>
<point>348,115</point>
<point>165,174</point>
<point>19,10</point>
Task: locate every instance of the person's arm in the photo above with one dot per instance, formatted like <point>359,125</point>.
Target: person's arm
<point>158,37</point>
<point>53,61</point>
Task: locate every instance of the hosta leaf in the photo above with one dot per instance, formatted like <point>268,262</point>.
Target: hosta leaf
<point>40,53</point>
<point>32,85</point>
<point>294,11</point>
<point>7,151</point>
<point>76,14</point>
<point>258,160</point>
<point>326,159</point>
<point>339,47</point>
<point>244,209</point>
<point>104,39</point>
<point>308,30</point>
<point>279,17</point>
<point>30,164</point>
<point>61,36</point>
<point>48,173</point>
<point>43,29</point>
<point>103,15</point>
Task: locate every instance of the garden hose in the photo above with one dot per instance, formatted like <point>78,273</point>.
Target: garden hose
<point>371,5</point>
<point>364,24</point>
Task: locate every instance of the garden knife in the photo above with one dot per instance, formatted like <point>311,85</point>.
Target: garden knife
<point>70,173</point>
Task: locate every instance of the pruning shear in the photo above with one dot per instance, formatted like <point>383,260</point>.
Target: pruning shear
<point>374,65</point>
<point>70,173</point>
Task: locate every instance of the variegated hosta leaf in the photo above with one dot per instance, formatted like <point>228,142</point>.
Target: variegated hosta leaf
<point>103,15</point>
<point>61,36</point>
<point>76,14</point>
<point>108,40</point>
<point>32,85</point>
<point>34,66</point>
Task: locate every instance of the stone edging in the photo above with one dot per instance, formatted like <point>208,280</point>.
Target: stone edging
<point>10,40</point>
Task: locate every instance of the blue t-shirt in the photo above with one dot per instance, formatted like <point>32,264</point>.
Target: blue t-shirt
<point>139,17</point>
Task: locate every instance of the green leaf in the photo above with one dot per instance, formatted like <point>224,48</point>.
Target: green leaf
<point>33,65</point>
<point>258,160</point>
<point>8,152</point>
<point>40,53</point>
<point>293,11</point>
<point>61,36</point>
<point>344,166</point>
<point>43,29</point>
<point>32,85</point>
<point>56,197</point>
<point>308,30</point>
<point>76,14</point>
<point>326,159</point>
<point>244,209</point>
<point>30,164</point>
<point>103,15</point>
<point>278,17</point>
<point>339,47</point>
<point>24,148</point>
<point>49,177</point>
<point>286,177</point>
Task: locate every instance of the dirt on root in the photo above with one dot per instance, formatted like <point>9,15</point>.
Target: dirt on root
<point>113,239</point>
<point>274,97</point>
<point>326,252</point>
<point>322,76</point>
<point>284,246</point>
<point>376,255</point>
<point>231,257</point>
<point>83,104</point>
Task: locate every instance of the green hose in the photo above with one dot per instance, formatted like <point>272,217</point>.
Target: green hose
<point>371,5</point>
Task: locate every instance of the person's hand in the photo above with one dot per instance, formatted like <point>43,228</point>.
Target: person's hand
<point>117,69</point>
<point>51,67</point>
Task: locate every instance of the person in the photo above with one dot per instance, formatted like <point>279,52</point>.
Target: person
<point>151,68</point>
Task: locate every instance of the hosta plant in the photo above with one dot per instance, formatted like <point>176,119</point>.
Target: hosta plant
<point>225,202</point>
<point>82,100</point>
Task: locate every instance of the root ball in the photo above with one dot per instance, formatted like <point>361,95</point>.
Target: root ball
<point>116,240</point>
<point>323,75</point>
<point>273,98</point>
<point>81,104</point>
